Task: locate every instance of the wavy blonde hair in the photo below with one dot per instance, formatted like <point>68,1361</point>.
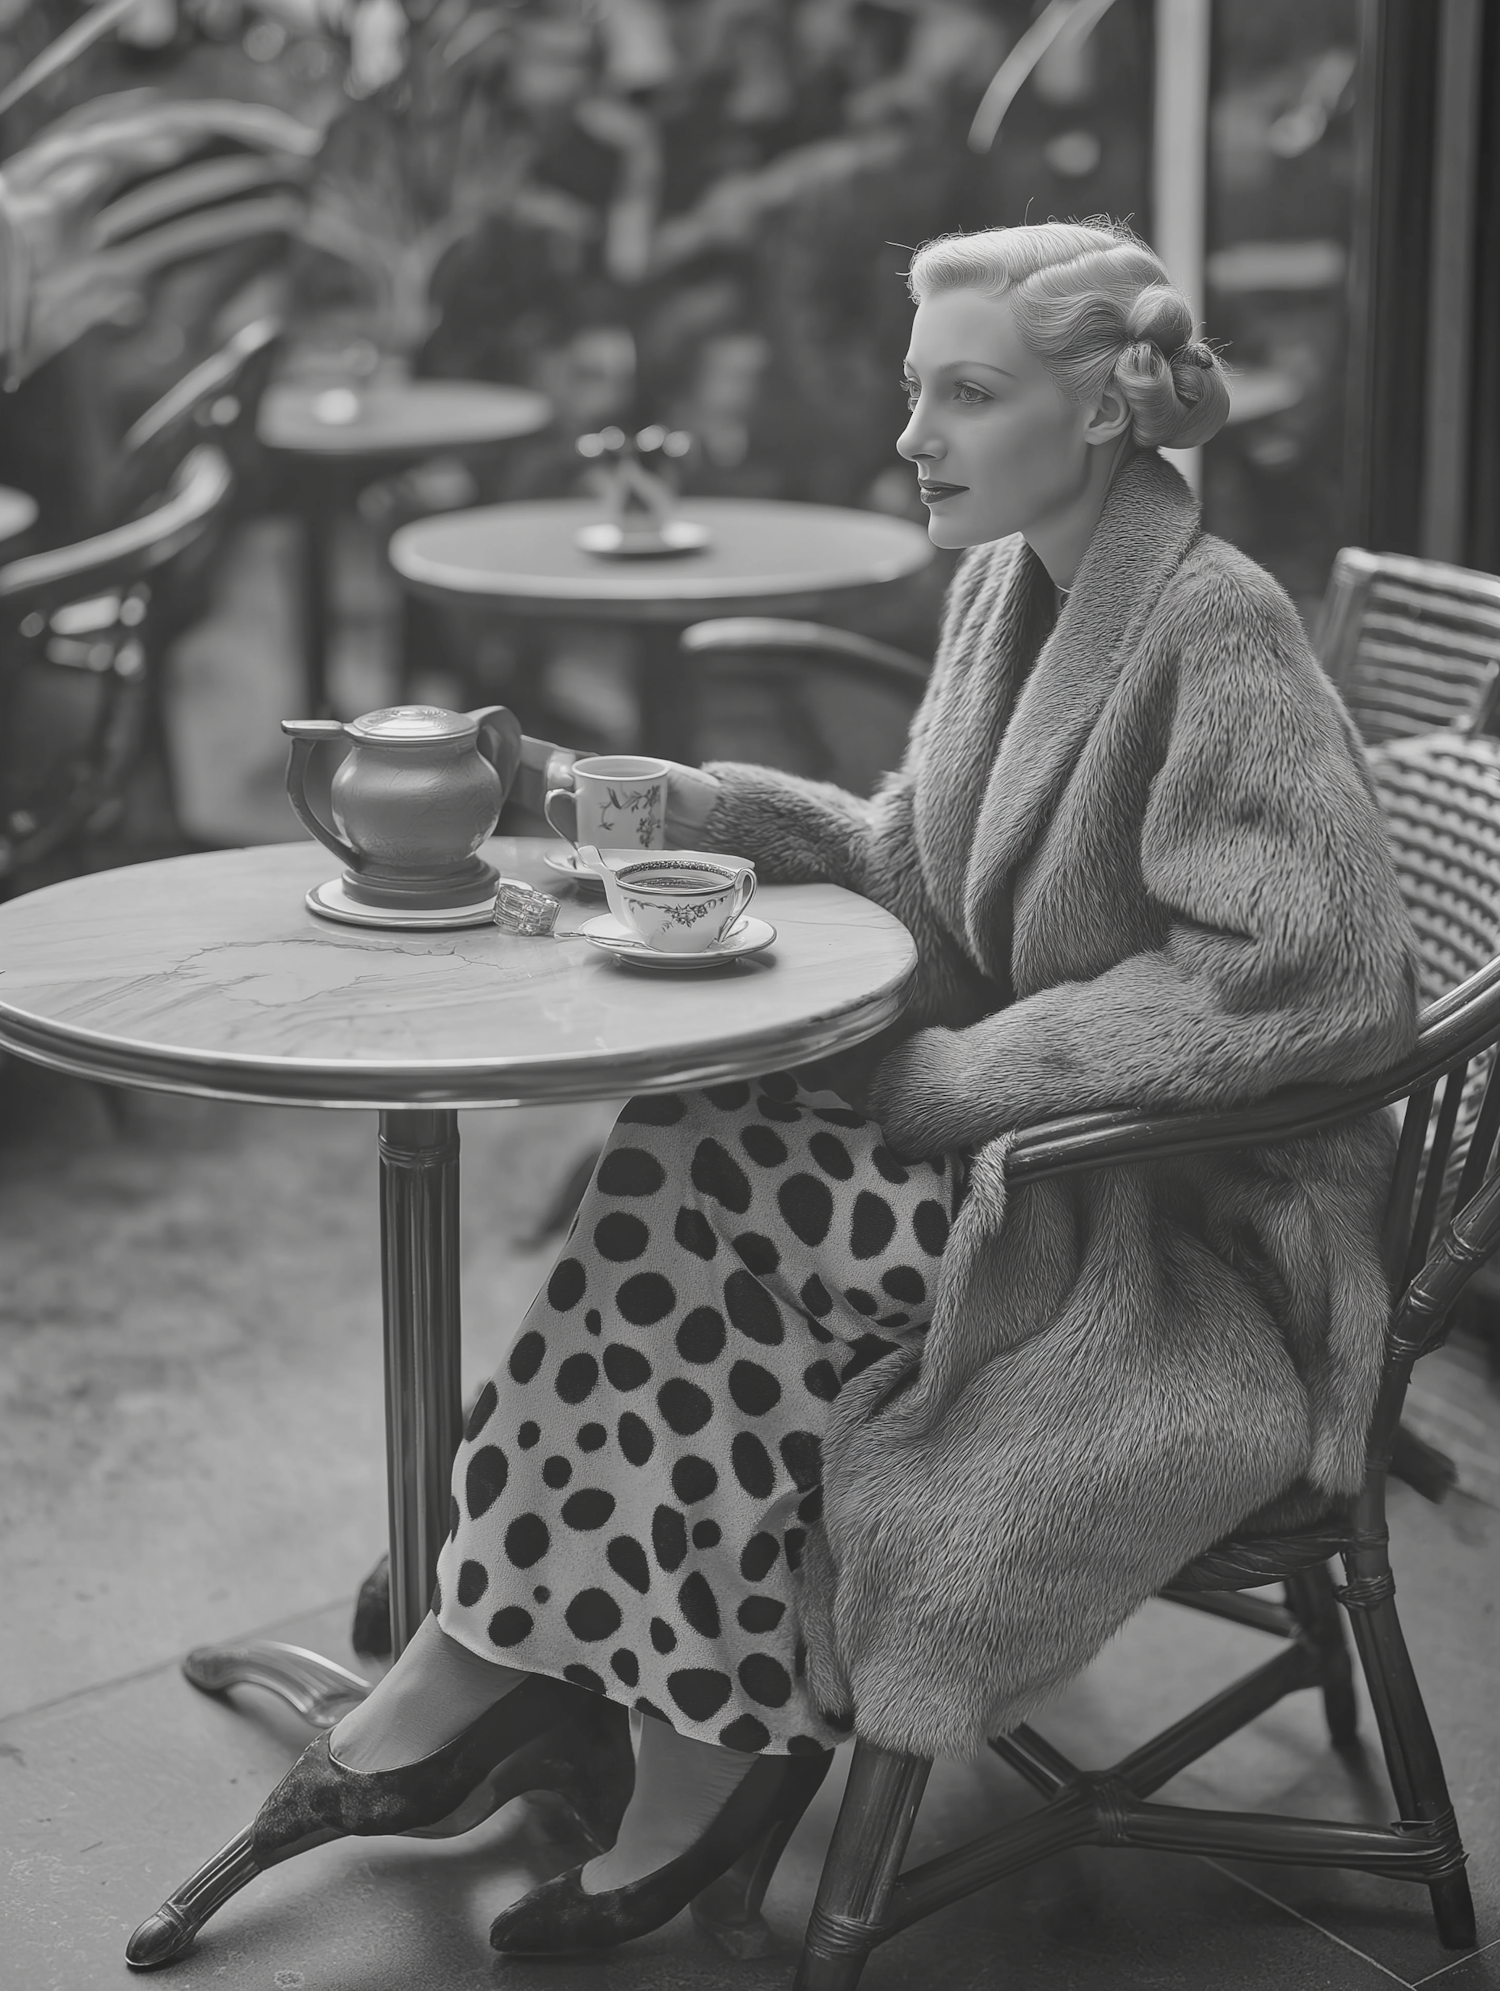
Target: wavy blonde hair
<point>1095,305</point>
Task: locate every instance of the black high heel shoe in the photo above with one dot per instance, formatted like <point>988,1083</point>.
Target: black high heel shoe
<point>543,1735</point>
<point>561,1917</point>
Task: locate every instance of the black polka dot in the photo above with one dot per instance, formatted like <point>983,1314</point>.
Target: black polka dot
<point>695,1233</point>
<point>627,1558</point>
<point>626,1667</point>
<point>701,1335</point>
<point>758,1253</point>
<point>645,1298</point>
<point>527,1540</point>
<point>861,1301</point>
<point>892,1320</point>
<point>528,1434</point>
<point>752,1465</point>
<point>822,1380</point>
<point>802,1456</point>
<point>810,1508</point>
<point>762,1145</point>
<point>700,1691</point>
<point>484,1409</point>
<point>542,1594</point>
<point>840,1116</point>
<point>745,1733</point>
<point>693,1479</point>
<point>872,1226</point>
<point>665,1109</point>
<point>591,1437</point>
<point>754,1389</point>
<point>696,1602</point>
<point>752,1309</point>
<point>829,1152</point>
<point>685,1407</point>
<point>620,1237</point>
<point>807,1206</point>
<point>729,1098</point>
<point>630,1172</point>
<point>759,1557</point>
<point>473,1581</point>
<point>649,1708</point>
<point>593,1614</point>
<point>787,1115</point>
<point>905,1283</point>
<point>816,1296</point>
<point>589,1507</point>
<point>669,1538</point>
<point>510,1626</point>
<point>435,1604</point>
<point>760,1614</point>
<point>593,1320</point>
<point>526,1356</point>
<point>888,1166</point>
<point>662,1636</point>
<point>716,1173</point>
<point>576,1378</point>
<point>765,1680</point>
<point>454,1517</point>
<point>707,1534</point>
<point>795,1538</point>
<point>557,1471</point>
<point>626,1367</point>
<point>565,1287</point>
<point>484,1482</point>
<point>584,1676</point>
<point>636,1441</point>
<point>778,1085</point>
<point>805,1745</point>
<point>868,1349</point>
<point>930,1222</point>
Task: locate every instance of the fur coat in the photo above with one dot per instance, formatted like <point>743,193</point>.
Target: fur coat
<point>1140,857</point>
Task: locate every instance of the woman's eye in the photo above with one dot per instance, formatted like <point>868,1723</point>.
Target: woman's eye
<point>969,394</point>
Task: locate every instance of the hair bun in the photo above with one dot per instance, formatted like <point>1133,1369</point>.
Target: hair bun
<point>1175,403</point>
<point>1160,317</point>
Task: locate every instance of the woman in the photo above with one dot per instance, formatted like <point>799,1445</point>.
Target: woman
<point>815,1424</point>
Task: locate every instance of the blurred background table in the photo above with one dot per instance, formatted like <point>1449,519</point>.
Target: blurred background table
<point>763,556</point>
<point>17,513</point>
<point>342,435</point>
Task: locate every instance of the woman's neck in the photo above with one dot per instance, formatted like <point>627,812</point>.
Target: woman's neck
<point>1061,540</point>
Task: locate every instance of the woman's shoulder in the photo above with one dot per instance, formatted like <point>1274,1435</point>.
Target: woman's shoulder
<point>1216,578</point>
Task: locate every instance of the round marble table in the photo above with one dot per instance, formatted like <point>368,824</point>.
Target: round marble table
<point>763,556</point>
<point>208,975</point>
<point>17,513</point>
<point>342,435</point>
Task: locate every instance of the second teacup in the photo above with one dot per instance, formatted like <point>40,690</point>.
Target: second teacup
<point>681,902</point>
<point>618,799</point>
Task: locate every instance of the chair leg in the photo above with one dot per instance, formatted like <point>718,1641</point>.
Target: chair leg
<point>863,1862</point>
<point>1411,1751</point>
<point>1311,1599</point>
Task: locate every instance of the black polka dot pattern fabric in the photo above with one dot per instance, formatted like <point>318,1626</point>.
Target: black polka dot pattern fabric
<point>635,1485</point>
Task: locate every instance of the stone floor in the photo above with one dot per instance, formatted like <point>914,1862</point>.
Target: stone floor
<point>190,1449</point>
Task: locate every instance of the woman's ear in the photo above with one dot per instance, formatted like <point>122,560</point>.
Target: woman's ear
<point>1110,416</point>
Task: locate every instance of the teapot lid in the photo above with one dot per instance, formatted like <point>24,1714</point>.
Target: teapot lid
<point>412,722</point>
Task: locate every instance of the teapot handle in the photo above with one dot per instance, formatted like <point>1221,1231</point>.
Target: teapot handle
<point>307,736</point>
<point>500,743</point>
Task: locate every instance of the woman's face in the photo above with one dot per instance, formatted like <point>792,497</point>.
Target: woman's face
<point>999,448</point>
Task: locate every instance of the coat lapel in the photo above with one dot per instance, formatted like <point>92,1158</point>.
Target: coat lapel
<point>1150,519</point>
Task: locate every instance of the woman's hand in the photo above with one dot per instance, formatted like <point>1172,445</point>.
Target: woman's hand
<point>543,766</point>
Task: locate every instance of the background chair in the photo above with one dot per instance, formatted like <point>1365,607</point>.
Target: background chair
<point>75,669</point>
<point>1413,645</point>
<point>1441,795</point>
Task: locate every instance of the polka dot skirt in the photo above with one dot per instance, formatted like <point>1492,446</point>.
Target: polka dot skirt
<point>636,1481</point>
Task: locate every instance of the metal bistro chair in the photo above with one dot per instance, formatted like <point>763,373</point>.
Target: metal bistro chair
<point>1412,645</point>
<point>1441,795</point>
<point>74,676</point>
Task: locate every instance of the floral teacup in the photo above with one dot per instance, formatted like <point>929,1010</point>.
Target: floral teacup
<point>677,902</point>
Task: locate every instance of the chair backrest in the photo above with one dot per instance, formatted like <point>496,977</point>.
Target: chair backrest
<point>74,626</point>
<point>823,702</point>
<point>217,403</point>
<point>1412,645</point>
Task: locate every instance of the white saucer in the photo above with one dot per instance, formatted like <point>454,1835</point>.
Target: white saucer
<point>331,901</point>
<point>675,535</point>
<point>747,936</point>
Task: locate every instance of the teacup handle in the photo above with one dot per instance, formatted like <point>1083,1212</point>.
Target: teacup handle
<point>566,799</point>
<point>744,892</point>
<point>307,737</point>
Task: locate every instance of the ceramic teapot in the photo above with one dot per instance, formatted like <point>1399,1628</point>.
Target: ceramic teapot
<point>405,796</point>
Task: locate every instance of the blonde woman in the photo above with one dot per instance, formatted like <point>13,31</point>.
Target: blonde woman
<point>818,1427</point>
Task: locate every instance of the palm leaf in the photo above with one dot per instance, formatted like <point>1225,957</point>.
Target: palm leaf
<point>69,45</point>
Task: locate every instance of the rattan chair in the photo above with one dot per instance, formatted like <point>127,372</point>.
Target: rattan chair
<point>1412,645</point>
<point>1441,797</point>
<point>75,632</point>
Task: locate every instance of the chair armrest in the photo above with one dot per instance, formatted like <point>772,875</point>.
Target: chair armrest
<point>768,633</point>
